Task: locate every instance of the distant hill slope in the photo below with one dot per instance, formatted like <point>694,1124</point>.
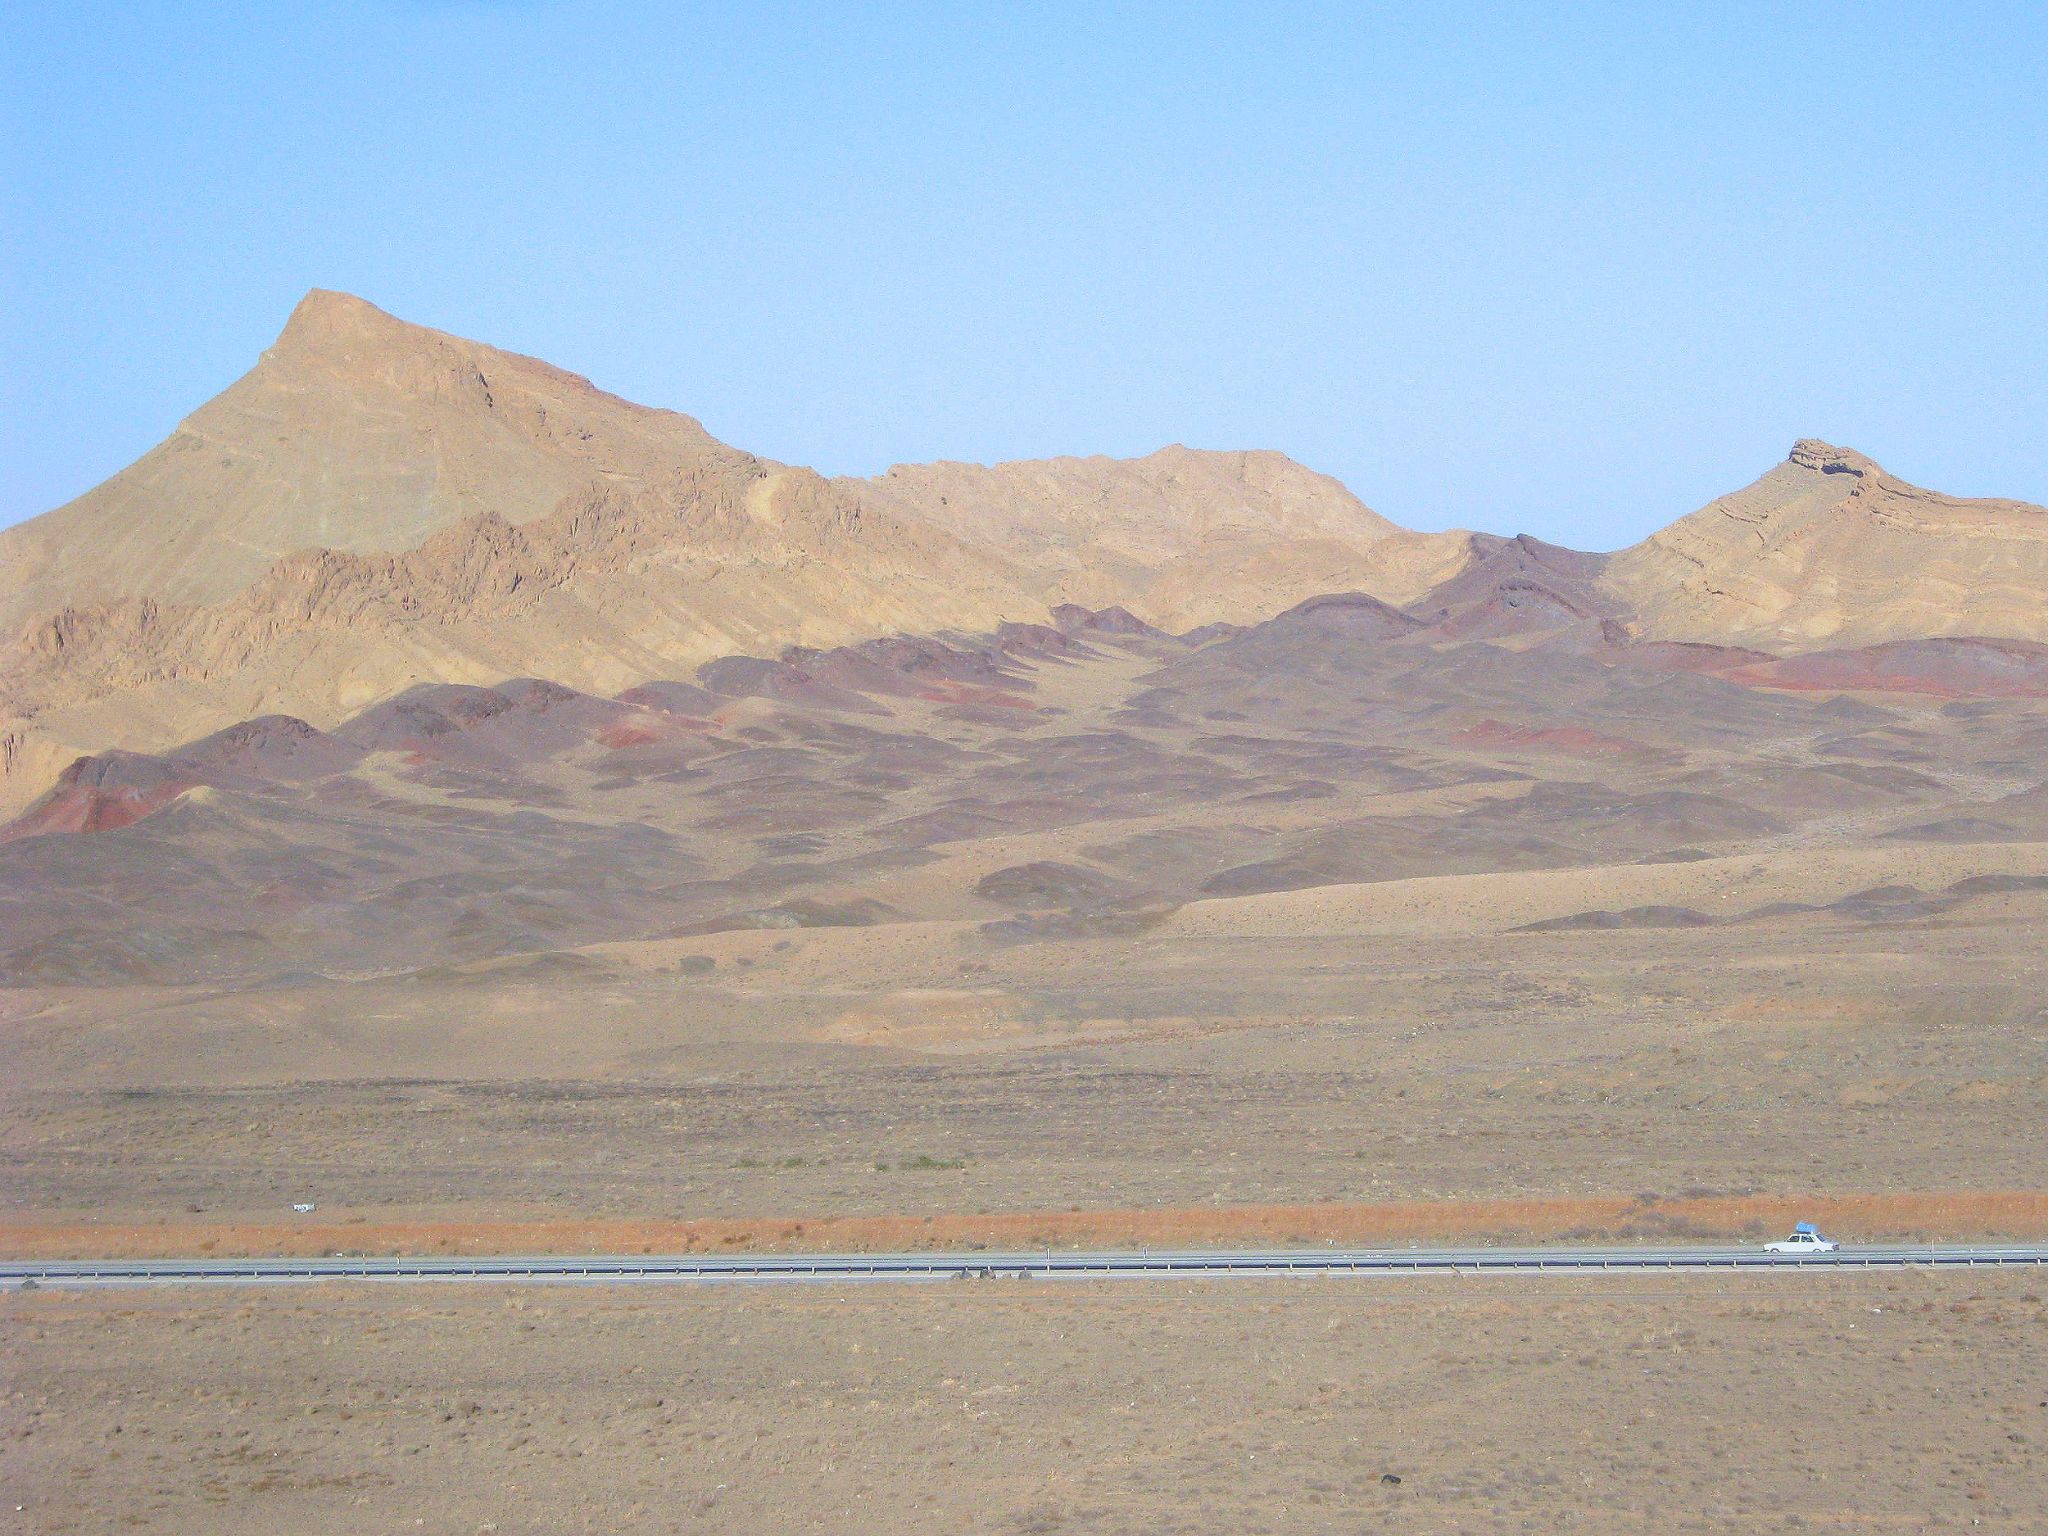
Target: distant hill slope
<point>377,505</point>
<point>1828,549</point>
<point>1181,537</point>
<point>1078,780</point>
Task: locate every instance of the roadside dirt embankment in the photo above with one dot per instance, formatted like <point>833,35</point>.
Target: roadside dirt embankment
<point>1896,1216</point>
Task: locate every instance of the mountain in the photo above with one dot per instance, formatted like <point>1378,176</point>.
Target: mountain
<point>377,505</point>
<point>357,433</point>
<point>1829,549</point>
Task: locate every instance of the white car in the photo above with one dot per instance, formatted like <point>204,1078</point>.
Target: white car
<point>1805,1239</point>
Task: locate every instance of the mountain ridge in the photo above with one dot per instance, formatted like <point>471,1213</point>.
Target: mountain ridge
<point>378,504</point>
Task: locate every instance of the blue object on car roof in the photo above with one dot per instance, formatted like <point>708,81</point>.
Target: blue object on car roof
<point>1806,1226</point>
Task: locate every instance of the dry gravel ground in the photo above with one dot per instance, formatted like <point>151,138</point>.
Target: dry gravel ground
<point>1813,1057</point>
<point>1906,1401</point>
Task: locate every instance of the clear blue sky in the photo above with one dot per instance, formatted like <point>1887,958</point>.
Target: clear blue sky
<point>1571,269</point>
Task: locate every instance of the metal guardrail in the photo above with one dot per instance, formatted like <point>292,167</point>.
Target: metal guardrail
<point>1034,1265</point>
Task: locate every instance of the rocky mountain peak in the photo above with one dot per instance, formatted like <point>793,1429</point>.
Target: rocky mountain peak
<point>1812,453</point>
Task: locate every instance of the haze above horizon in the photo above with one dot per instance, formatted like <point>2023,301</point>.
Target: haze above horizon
<point>1565,275</point>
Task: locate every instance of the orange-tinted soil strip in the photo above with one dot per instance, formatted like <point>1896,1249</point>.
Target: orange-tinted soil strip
<point>1897,1216</point>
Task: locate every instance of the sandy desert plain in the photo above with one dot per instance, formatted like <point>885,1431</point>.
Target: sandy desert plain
<point>1383,889</point>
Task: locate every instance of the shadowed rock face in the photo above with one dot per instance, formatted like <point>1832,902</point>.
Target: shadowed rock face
<point>1037,784</point>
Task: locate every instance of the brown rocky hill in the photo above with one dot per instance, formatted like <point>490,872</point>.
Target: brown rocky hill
<point>377,505</point>
<point>1829,549</point>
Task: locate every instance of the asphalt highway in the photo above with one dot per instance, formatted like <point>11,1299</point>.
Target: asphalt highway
<point>1044,1265</point>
